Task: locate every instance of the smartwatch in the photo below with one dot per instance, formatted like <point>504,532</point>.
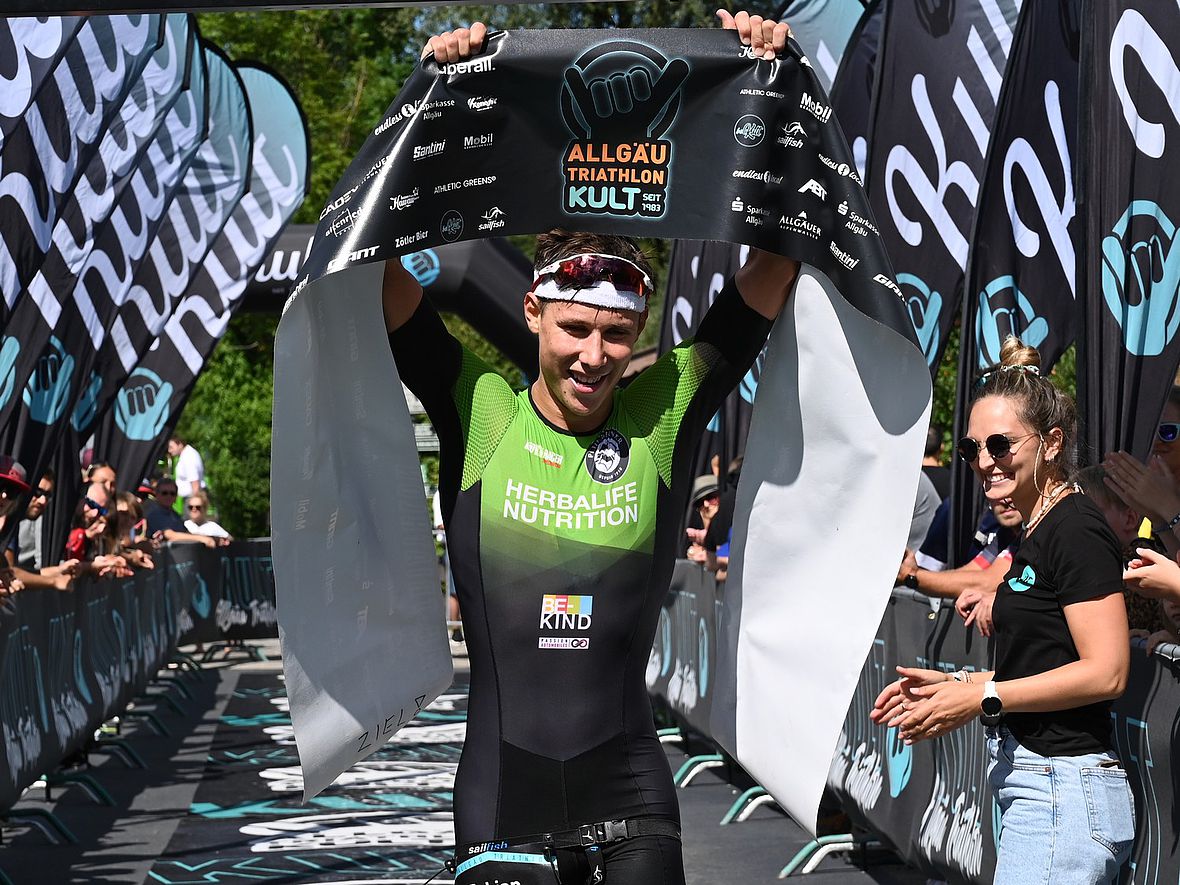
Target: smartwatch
<point>911,581</point>
<point>991,707</point>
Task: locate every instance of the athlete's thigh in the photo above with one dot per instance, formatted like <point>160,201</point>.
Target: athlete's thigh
<point>644,860</point>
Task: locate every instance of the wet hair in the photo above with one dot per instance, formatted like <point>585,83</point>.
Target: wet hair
<point>559,243</point>
<point>1037,400</point>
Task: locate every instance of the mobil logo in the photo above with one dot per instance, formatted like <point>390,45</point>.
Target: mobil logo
<point>143,405</point>
<point>563,612</point>
<point>1005,310</point>
<point>1141,277</point>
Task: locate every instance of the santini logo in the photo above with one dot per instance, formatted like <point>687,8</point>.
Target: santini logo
<point>843,257</point>
<point>481,104</point>
<point>821,112</point>
<point>476,66</point>
<point>422,151</point>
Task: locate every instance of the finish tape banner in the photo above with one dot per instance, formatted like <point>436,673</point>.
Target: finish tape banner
<point>233,592</point>
<point>679,134</point>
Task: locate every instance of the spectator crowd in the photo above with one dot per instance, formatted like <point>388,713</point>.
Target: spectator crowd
<point>113,531</point>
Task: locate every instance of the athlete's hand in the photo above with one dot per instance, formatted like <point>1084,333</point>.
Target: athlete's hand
<point>452,46</point>
<point>625,106</point>
<point>765,37</point>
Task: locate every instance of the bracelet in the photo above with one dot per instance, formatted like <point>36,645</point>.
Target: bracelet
<point>1174,521</point>
<point>961,676</point>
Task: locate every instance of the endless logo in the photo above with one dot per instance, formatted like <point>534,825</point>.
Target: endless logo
<point>607,458</point>
<point>619,99</point>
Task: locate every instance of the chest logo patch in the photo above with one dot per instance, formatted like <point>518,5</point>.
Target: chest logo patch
<point>1027,578</point>
<point>608,456</point>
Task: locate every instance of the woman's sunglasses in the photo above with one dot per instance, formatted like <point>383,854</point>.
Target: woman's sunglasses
<point>1168,431</point>
<point>998,446</point>
<point>93,505</point>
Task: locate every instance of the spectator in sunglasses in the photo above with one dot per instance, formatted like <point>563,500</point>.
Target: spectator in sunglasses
<point>24,554</point>
<point>1153,489</point>
<point>1061,651</point>
<point>92,541</point>
<point>198,522</point>
<point>163,523</point>
<point>131,532</point>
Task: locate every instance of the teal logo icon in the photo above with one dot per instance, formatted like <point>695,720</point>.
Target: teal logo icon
<point>9,351</point>
<point>1141,278</point>
<point>1027,578</point>
<point>899,763</point>
<point>143,405</point>
<point>87,407</point>
<point>1005,310</point>
<point>925,306</point>
<point>424,265</point>
<point>48,392</point>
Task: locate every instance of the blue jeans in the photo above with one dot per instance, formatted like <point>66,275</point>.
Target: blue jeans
<point>1065,819</point>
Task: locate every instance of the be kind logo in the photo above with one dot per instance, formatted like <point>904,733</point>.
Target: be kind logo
<point>619,99</point>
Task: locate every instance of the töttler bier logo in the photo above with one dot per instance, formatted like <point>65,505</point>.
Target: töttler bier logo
<point>618,101</point>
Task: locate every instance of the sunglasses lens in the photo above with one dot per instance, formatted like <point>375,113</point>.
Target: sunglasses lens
<point>585,271</point>
<point>998,445</point>
<point>968,449</point>
<point>1168,432</point>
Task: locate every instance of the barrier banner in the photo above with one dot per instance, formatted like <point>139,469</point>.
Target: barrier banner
<point>33,46</point>
<point>1129,351</point>
<point>148,405</point>
<point>71,660</point>
<point>233,592</point>
<point>685,643</point>
<point>931,801</point>
<point>44,154</point>
<point>711,144</point>
<point>940,70</point>
<point>854,88</point>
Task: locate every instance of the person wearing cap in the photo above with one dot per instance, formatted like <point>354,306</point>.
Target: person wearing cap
<point>24,555</point>
<point>705,498</point>
<point>14,484</point>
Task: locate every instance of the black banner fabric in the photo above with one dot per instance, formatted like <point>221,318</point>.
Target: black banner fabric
<point>69,661</point>
<point>153,396</point>
<point>1131,204</point>
<point>856,81</point>
<point>647,166</point>
<point>50,326</point>
<point>45,153</point>
<point>685,644</point>
<point>697,271</point>
<point>34,45</point>
<point>233,592</point>
<point>940,66</point>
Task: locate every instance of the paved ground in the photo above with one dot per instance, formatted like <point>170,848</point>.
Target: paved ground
<point>157,833</point>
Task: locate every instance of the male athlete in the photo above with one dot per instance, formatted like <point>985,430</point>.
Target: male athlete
<point>563,506</point>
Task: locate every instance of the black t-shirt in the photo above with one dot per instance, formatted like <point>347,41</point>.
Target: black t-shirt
<point>718,532</point>
<point>941,477</point>
<point>161,518</point>
<point>1071,556</point>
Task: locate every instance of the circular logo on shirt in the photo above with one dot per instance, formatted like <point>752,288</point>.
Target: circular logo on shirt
<point>606,459</point>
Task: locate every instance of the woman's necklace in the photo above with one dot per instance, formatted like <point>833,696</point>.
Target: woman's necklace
<point>1047,503</point>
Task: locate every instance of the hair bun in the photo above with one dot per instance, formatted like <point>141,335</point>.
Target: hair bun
<point>1015,353</point>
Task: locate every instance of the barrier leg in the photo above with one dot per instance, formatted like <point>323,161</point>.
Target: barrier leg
<point>45,821</point>
<point>121,749</point>
<point>694,765</point>
<point>186,662</point>
<point>813,853</point>
<point>151,718</point>
<point>173,683</point>
<point>745,804</point>
<point>89,785</point>
<point>166,698</point>
<point>670,735</point>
